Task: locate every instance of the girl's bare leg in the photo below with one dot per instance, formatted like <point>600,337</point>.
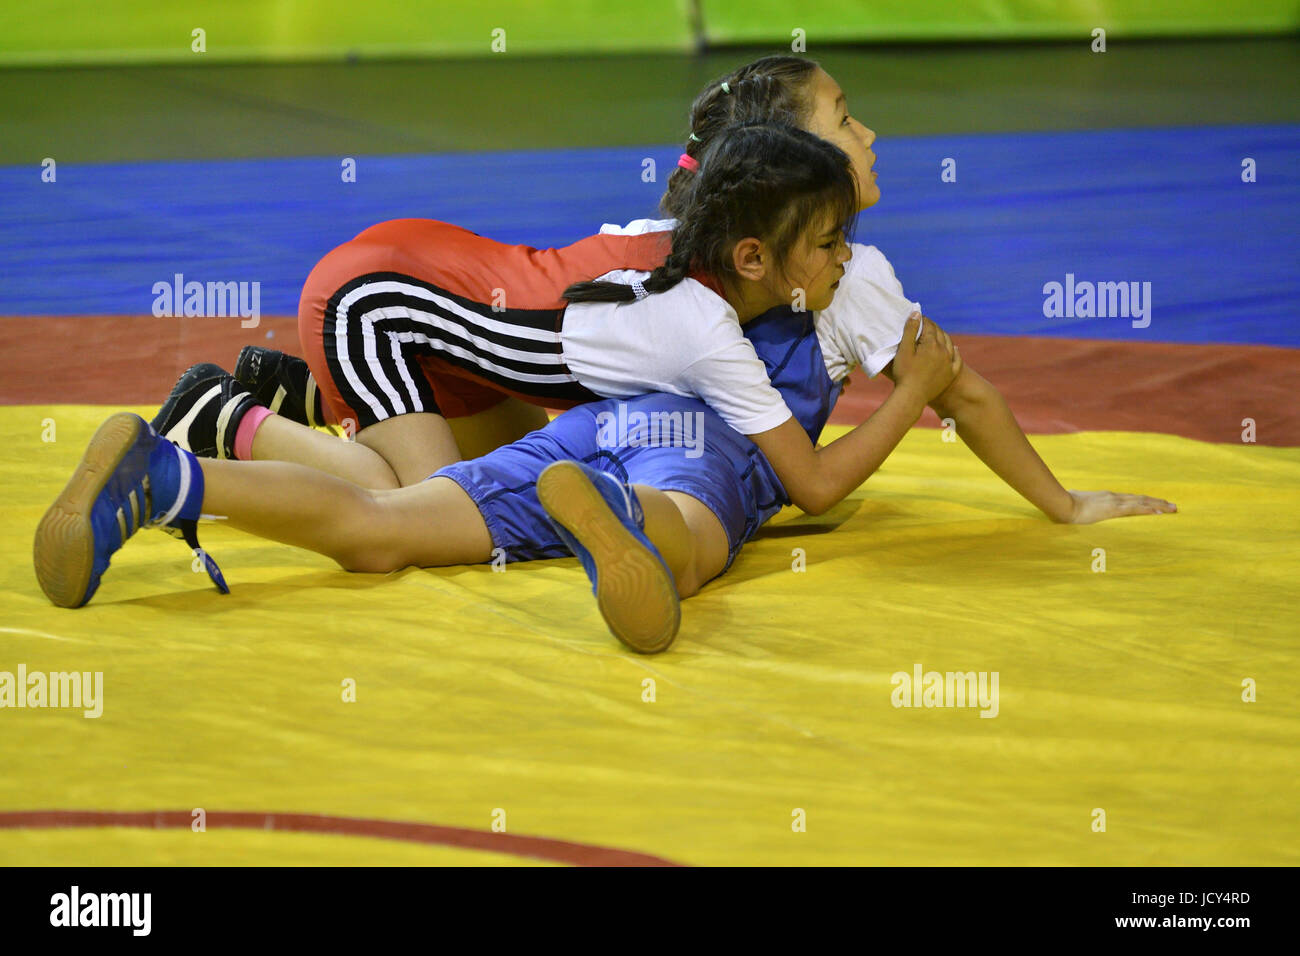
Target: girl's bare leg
<point>279,439</point>
<point>399,451</point>
<point>390,454</point>
<point>503,423</point>
<point>415,445</point>
<point>687,534</point>
<point>431,524</point>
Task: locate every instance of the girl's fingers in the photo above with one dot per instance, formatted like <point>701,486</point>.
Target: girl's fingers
<point>1145,504</point>
<point>1112,504</point>
<point>914,339</point>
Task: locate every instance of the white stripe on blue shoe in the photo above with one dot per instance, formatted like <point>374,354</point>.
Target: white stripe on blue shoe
<point>600,520</point>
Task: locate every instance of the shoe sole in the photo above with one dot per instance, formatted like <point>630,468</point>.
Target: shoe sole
<point>634,591</point>
<point>64,552</point>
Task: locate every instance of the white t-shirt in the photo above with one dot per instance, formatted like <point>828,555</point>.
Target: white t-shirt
<point>688,340</point>
<point>864,323</point>
<point>685,341</point>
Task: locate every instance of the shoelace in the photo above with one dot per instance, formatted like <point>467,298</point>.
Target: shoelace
<point>185,529</point>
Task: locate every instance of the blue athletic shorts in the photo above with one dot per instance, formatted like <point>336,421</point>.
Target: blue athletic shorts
<point>665,441</point>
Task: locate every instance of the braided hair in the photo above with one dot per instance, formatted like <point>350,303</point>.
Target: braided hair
<point>763,180</point>
<point>772,89</point>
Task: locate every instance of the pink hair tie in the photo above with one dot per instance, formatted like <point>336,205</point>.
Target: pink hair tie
<point>687,162</point>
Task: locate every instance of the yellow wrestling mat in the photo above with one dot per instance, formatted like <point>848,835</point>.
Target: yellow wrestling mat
<point>489,698</point>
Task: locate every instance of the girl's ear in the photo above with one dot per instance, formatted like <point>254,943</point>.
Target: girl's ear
<point>750,258</point>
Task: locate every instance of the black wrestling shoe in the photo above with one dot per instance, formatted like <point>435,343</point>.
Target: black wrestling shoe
<point>281,382</point>
<point>204,410</point>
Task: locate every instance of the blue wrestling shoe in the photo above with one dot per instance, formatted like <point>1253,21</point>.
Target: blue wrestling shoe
<point>129,478</point>
<point>600,520</point>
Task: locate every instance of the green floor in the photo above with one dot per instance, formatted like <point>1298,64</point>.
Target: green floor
<point>140,113</point>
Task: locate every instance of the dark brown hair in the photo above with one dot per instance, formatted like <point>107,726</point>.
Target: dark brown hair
<point>763,180</point>
<point>773,89</point>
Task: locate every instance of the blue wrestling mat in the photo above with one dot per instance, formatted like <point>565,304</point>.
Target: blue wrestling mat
<point>1206,256</point>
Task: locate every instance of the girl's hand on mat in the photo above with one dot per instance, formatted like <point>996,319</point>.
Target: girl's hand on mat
<point>1093,506</point>
<point>928,362</point>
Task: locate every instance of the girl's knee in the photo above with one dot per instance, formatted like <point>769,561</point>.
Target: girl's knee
<point>369,560</point>
<point>688,583</point>
<point>364,540</point>
<point>380,477</point>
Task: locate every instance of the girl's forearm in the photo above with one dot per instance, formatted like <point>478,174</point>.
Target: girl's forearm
<point>847,462</point>
<point>990,430</point>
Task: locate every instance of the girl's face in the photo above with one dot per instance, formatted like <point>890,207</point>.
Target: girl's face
<point>831,121</point>
<point>815,265</point>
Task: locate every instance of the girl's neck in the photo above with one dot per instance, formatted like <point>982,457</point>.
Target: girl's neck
<point>749,299</point>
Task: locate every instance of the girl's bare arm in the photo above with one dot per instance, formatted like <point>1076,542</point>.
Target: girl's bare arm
<point>985,423</point>
<point>819,478</point>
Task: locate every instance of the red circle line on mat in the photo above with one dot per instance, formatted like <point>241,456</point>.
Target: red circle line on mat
<point>541,848</point>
